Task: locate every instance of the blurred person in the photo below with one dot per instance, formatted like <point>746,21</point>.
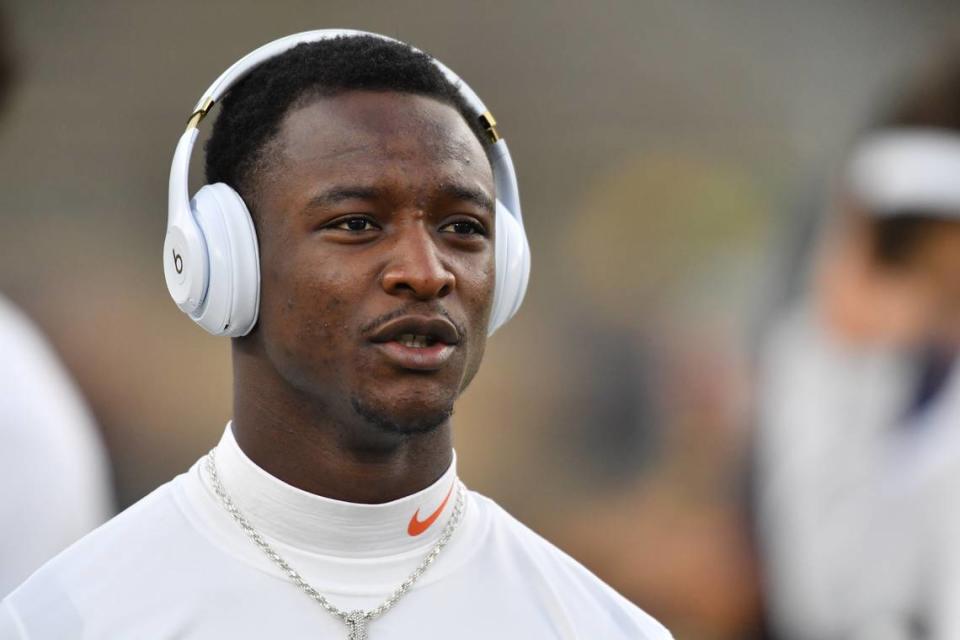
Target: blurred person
<point>383,244</point>
<point>54,479</point>
<point>858,453</point>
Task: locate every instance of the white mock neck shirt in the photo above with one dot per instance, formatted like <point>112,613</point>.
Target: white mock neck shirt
<point>177,565</point>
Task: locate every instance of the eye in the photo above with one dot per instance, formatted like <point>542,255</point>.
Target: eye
<point>464,228</point>
<point>355,224</point>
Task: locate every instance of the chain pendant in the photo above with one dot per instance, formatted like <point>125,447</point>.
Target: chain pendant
<point>357,621</point>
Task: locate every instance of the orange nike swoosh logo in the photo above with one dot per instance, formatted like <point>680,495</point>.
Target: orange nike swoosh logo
<point>417,526</point>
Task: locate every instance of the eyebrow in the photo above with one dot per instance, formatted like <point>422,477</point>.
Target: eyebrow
<point>339,194</point>
<point>469,194</point>
<point>336,195</point>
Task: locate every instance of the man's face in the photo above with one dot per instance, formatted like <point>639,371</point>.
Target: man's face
<point>376,226</point>
<point>912,302</point>
<point>935,270</point>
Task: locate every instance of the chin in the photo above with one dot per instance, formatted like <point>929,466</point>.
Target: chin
<point>407,416</point>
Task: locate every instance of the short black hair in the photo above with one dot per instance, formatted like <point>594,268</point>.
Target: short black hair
<point>930,98</point>
<point>252,110</point>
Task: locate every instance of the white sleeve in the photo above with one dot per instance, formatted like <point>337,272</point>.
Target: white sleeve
<point>941,528</point>
<point>54,485</point>
<point>823,414</point>
<point>10,627</point>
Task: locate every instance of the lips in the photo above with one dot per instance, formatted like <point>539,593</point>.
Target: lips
<point>429,329</point>
<point>420,343</point>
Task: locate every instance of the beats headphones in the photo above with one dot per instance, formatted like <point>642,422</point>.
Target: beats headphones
<point>210,257</point>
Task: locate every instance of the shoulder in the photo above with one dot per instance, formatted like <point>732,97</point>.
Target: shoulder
<point>569,590</point>
<point>108,546</point>
<point>138,551</point>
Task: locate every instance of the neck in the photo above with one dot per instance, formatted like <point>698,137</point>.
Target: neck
<point>321,446</point>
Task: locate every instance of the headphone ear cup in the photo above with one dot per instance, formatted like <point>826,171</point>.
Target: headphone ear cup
<point>232,301</point>
<point>512,268</point>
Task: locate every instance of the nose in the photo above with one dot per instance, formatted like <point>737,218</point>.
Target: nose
<point>415,267</point>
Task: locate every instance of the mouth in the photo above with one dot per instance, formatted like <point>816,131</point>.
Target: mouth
<point>418,343</point>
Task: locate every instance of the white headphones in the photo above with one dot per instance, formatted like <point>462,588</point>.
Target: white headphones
<point>210,258</point>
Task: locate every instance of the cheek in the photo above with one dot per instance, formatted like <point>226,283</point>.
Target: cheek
<point>303,305</point>
<point>476,283</point>
<point>476,293</point>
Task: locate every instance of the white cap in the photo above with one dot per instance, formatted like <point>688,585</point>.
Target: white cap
<point>910,169</point>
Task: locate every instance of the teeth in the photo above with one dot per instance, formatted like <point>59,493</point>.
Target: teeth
<point>414,341</point>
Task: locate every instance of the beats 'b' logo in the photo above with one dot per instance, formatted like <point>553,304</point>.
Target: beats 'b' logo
<point>177,261</point>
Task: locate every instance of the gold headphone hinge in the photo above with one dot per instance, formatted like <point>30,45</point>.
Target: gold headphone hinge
<point>194,121</point>
<point>489,125</point>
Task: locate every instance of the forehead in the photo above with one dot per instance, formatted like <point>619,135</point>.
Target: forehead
<point>366,133</point>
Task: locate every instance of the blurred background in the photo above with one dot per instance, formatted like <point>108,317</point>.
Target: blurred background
<point>671,155</point>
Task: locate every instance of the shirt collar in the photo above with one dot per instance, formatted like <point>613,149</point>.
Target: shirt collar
<point>325,526</point>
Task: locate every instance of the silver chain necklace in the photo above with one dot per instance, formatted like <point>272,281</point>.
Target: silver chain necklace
<point>356,620</point>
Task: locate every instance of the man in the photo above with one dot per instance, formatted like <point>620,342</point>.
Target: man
<point>858,449</point>
<point>331,507</point>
